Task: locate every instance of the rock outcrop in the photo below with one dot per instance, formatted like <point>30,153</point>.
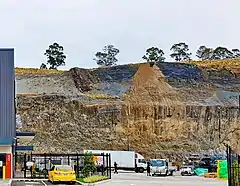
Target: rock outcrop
<point>167,109</point>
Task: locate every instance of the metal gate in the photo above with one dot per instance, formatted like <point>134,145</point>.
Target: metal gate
<point>38,165</point>
<point>233,160</point>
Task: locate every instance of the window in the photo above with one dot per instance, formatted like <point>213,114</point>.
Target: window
<point>52,169</point>
<point>141,161</point>
<point>157,163</point>
<point>64,168</point>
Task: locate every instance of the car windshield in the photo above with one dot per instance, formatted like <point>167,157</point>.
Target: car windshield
<point>64,168</point>
<point>141,161</point>
<point>157,163</point>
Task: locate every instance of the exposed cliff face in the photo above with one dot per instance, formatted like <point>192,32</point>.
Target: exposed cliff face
<point>176,108</point>
<point>63,125</point>
<point>154,116</point>
<point>83,79</point>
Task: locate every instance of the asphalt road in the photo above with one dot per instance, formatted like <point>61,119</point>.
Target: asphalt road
<point>133,179</point>
<point>36,183</point>
<point>25,183</point>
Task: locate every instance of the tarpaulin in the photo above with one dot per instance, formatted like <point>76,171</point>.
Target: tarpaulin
<point>200,171</point>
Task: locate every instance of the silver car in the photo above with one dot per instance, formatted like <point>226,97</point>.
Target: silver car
<point>187,170</point>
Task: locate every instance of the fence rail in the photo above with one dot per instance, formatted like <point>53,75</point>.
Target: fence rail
<point>38,165</point>
<point>233,160</point>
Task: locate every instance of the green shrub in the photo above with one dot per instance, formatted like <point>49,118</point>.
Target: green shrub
<point>93,179</point>
<point>89,165</point>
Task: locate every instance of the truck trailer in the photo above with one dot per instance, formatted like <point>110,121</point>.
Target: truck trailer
<point>126,160</point>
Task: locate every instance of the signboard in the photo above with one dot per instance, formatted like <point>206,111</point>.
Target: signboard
<point>8,165</point>
<point>24,148</point>
<point>100,160</point>
<point>95,158</point>
<point>29,163</point>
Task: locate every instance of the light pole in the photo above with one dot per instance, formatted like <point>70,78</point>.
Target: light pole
<point>239,105</point>
<point>219,124</point>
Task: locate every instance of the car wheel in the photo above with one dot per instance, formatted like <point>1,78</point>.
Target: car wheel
<point>141,170</point>
<point>73,183</point>
<point>166,174</point>
<point>45,172</point>
<point>182,173</point>
<point>53,182</point>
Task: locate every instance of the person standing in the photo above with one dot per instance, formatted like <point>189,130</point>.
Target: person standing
<point>148,169</point>
<point>75,166</point>
<point>115,168</point>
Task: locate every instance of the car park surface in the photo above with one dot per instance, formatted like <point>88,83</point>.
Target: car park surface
<point>125,178</point>
<point>133,179</point>
<point>59,184</point>
<point>27,183</point>
<point>36,183</point>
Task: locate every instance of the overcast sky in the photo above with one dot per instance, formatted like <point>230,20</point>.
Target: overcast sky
<point>83,27</point>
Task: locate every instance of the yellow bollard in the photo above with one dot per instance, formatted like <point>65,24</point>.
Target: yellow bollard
<point>4,173</point>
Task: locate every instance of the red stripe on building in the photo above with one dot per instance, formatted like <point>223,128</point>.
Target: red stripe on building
<point>8,165</point>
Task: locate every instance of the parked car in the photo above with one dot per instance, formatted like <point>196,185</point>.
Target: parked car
<point>187,170</point>
<point>62,173</point>
<point>208,163</point>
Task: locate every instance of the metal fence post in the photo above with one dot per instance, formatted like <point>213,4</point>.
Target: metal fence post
<point>77,167</point>
<point>229,167</point>
<point>68,160</point>
<point>107,155</point>
<point>45,164</point>
<point>110,166</point>
<point>25,165</point>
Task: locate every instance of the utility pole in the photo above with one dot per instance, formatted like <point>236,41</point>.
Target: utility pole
<point>239,105</point>
<point>219,125</point>
<point>128,136</point>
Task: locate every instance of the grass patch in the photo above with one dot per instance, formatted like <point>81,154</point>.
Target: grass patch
<point>92,179</point>
<point>37,71</point>
<point>101,96</point>
<point>136,65</point>
<point>230,64</point>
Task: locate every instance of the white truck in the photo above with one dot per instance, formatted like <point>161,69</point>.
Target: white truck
<point>126,160</point>
<point>161,167</point>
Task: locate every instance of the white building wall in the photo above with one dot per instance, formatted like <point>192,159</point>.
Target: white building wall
<point>5,149</point>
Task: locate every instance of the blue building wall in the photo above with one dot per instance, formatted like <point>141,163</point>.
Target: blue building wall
<point>7,97</point>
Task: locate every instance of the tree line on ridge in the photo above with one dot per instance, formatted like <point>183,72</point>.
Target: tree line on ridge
<point>108,56</point>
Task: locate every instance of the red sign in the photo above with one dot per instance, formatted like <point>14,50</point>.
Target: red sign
<point>8,165</point>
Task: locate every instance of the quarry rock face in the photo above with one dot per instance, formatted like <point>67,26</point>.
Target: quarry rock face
<point>161,110</point>
<point>82,78</point>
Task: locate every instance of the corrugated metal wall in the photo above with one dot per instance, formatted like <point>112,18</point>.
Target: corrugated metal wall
<point>7,96</point>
